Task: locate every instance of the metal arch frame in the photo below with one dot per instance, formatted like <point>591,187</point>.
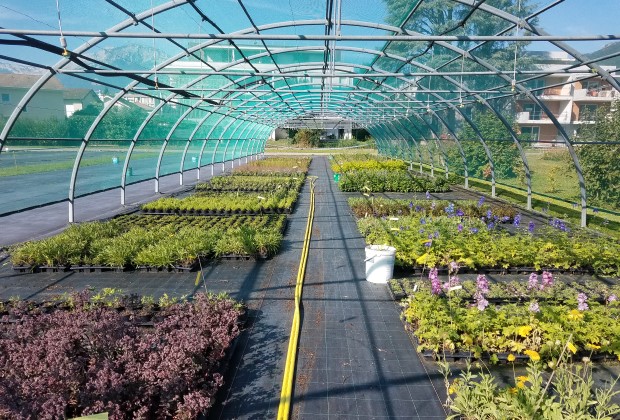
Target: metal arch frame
<point>390,125</point>
<point>379,130</point>
<point>79,50</point>
<point>187,145</point>
<point>141,128</point>
<point>188,112</point>
<point>167,140</point>
<point>443,99</point>
<point>278,52</point>
<point>212,163</point>
<point>427,141</point>
<point>403,151</point>
<point>230,137</point>
<point>415,142</point>
<point>493,110</point>
<point>438,143</point>
<point>379,135</point>
<point>485,103</point>
<point>394,138</point>
<point>322,22</point>
<point>243,136</point>
<point>538,32</point>
<point>521,88</point>
<point>458,142</point>
<point>219,139</point>
<point>423,137</point>
<point>289,50</point>
<point>545,109</point>
<point>580,58</point>
<point>259,131</point>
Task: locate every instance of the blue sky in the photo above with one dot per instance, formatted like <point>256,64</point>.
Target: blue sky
<point>571,17</point>
<point>582,17</point>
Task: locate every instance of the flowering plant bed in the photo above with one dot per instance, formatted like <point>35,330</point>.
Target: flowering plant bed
<point>275,166</point>
<point>226,202</point>
<point>479,244</point>
<point>252,183</point>
<point>157,242</point>
<point>342,164</point>
<point>378,207</point>
<point>518,291</point>
<point>90,358</point>
<point>380,180</point>
<point>445,323</point>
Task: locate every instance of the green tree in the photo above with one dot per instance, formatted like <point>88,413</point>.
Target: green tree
<point>436,17</point>
<point>306,137</point>
<point>120,123</point>
<point>81,120</point>
<point>39,129</point>
<point>504,152</point>
<point>600,162</point>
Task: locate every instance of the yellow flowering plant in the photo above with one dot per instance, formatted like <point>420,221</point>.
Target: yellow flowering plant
<point>566,393</point>
<point>450,323</point>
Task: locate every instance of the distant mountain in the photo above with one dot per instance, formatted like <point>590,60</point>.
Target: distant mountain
<point>8,67</point>
<point>128,57</point>
<point>131,56</point>
<point>611,48</point>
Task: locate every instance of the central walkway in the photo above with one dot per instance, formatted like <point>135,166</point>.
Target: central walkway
<point>355,359</point>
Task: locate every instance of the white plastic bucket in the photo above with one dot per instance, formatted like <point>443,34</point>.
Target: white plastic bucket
<point>379,263</point>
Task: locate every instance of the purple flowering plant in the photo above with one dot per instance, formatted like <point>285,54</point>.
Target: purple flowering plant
<point>582,302</point>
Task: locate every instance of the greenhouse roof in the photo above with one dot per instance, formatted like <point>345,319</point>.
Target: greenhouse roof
<point>238,69</point>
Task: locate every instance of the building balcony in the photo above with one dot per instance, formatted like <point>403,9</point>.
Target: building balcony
<point>541,118</point>
<point>596,95</point>
<point>555,93</point>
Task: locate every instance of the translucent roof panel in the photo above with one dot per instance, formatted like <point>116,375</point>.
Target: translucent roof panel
<point>142,72</point>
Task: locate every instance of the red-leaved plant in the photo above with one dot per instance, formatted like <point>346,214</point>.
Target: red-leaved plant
<point>89,359</point>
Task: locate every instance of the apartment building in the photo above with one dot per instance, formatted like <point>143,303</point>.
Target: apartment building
<point>572,98</point>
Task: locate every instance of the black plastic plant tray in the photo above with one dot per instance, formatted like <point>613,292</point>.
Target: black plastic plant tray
<point>26,268</point>
<point>95,269</point>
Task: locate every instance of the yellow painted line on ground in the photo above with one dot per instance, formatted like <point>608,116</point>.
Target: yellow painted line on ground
<point>286,395</point>
<point>198,274</point>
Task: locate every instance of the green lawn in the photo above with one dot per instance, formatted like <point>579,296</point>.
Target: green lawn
<point>550,174</point>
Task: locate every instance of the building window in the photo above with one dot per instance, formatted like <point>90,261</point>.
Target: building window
<point>591,84</point>
<point>536,84</point>
<point>592,87</point>
<point>6,98</point>
<point>534,110</point>
<point>587,112</point>
<point>530,133</point>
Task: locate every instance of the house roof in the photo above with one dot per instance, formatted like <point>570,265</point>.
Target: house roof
<point>25,81</point>
<point>76,93</point>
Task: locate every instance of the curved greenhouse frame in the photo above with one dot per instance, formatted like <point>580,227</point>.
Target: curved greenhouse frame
<point>216,92</point>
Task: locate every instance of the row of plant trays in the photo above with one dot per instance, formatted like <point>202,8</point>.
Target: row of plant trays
<point>493,270</point>
<point>134,315</point>
<point>502,358</point>
<point>142,269</point>
<point>397,296</point>
<point>255,189</point>
<point>287,210</point>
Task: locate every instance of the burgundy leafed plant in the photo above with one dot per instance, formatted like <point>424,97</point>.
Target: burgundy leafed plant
<point>87,360</point>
